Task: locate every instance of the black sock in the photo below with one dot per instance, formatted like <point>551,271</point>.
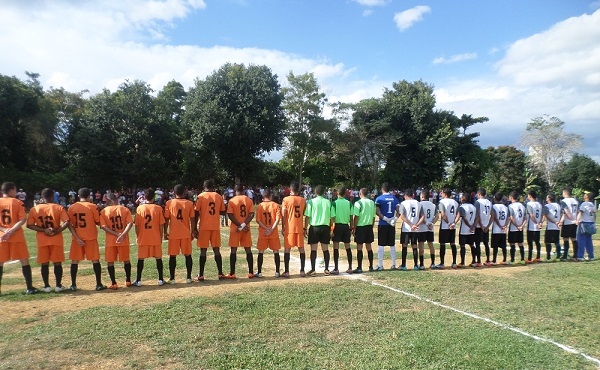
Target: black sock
<point>302,261</point>
<point>250,260</point>
<point>58,273</point>
<point>558,255</point>
<point>530,252</point>
<point>548,251</point>
<point>487,252</point>
<point>286,262</point>
<point>313,259</point>
<point>442,253</point>
<point>127,268</point>
<point>111,274</point>
<point>277,261</point>
<point>495,254</point>
<point>172,267</point>
<point>259,262</point>
<point>336,259</point>
<point>326,258</point>
<point>463,254</point>
<point>370,257</point>
<point>478,254</point>
<point>539,247</point>
<point>453,247</point>
<point>432,258</point>
<point>473,254</point>
<point>359,258</point>
<point>74,268</point>
<point>201,264</point>
<point>218,261</point>
<point>232,261</point>
<point>1,273</point>
<point>98,273</point>
<point>565,254</point>
<point>188,266</point>
<point>503,254</point>
<point>513,250</point>
<point>404,254</point>
<point>421,260</point>
<point>416,256</point>
<point>45,275</point>
<point>349,256</point>
<point>27,275</point>
<point>159,268</point>
<point>522,252</point>
<point>140,268</point>
<point>576,248</point>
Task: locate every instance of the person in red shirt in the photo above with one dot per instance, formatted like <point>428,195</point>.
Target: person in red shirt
<point>179,215</point>
<point>12,238</point>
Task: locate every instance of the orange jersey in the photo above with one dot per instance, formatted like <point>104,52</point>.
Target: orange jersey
<point>48,215</point>
<point>267,212</point>
<point>149,219</point>
<point>294,206</point>
<point>115,218</point>
<point>210,205</point>
<point>179,212</point>
<point>84,217</point>
<point>12,211</point>
<point>240,207</point>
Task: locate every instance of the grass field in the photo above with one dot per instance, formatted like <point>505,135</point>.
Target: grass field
<point>298,323</point>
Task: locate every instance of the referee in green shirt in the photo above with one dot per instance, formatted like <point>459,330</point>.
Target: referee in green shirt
<point>320,215</point>
<point>341,231</point>
<point>364,219</point>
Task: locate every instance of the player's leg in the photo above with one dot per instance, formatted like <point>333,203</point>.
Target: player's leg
<point>201,265</point>
<point>111,273</point>
<point>565,253</point>
<point>413,244</point>
<point>173,249</point>
<point>157,254</point>
<point>463,250</point>
<point>98,273</point>
<point>234,241</point>
<point>486,244</point>
<point>326,257</point>
<point>172,267</point>
<point>250,261</point>
<point>275,246</point>
<point>27,275</point>
<point>536,241</point>
<point>140,268</point>
<point>359,258</point>
<point>45,270</point>
<point>574,242</point>
<point>73,271</point>
<point>313,258</point>
<point>349,257</point>
<point>529,246</point>
<point>503,247</point>
<point>302,254</point>
<point>421,254</point>
<point>429,240</point>
<point>336,257</point>
<point>286,260</point>
<point>259,263</point>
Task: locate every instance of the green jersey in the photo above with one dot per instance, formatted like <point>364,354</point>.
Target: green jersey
<point>343,211</point>
<point>365,210</point>
<point>320,211</point>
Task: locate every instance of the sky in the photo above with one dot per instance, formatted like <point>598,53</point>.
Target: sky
<point>509,60</point>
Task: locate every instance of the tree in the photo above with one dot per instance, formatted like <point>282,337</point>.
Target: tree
<point>507,170</point>
<point>470,161</point>
<point>549,145</point>
<point>235,116</point>
<point>308,132</point>
<point>580,172</point>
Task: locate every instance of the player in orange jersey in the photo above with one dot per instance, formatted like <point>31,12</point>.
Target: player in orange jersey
<point>116,221</point>
<point>292,227</point>
<point>240,210</point>
<point>49,220</point>
<point>84,216</point>
<point>207,218</point>
<point>149,221</point>
<point>268,215</point>
<point>179,215</point>
<point>12,238</point>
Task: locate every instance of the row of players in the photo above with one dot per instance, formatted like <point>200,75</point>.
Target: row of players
<point>317,219</point>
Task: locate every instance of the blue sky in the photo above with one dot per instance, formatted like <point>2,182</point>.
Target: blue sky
<point>507,60</point>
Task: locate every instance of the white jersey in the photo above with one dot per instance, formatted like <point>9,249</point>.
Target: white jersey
<point>410,209</point>
<point>517,211</point>
<point>428,210</point>
<point>484,211</point>
<point>552,213</point>
<point>586,209</point>
<point>468,212</point>
<point>500,213</point>
<point>450,207</point>
<point>572,205</point>
<point>534,209</point>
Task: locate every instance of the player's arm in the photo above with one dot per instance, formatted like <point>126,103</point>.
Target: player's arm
<point>306,224</point>
<point>125,232</point>
<point>62,227</point>
<point>8,232</point>
<point>567,211</point>
<point>523,223</point>
<point>442,214</point>
<point>194,222</point>
<point>109,230</point>
<point>74,233</point>
<point>284,220</point>
<point>478,215</point>
<point>166,228</point>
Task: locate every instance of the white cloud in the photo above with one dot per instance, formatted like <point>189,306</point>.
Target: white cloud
<point>407,18</point>
<point>367,12</point>
<point>372,2</point>
<point>455,58</point>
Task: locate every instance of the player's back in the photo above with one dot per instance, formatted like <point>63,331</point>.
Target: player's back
<point>47,215</point>
<point>553,211</point>
<point>240,207</point>
<point>468,213</point>
<point>387,204</point>
<point>450,208</point>
<point>210,205</point>
<point>84,217</point>
<point>12,210</point>
<point>116,218</point>
<point>343,210</point>
<point>267,212</point>
<point>148,220</point>
<point>573,207</point>
<point>428,209</point>
<point>484,209</point>
<point>295,206</point>
<point>501,215</point>
<point>179,212</point>
<point>534,209</point>
<point>517,211</point>
<point>410,209</point>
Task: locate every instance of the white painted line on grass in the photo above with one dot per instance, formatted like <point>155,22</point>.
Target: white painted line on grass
<point>477,317</point>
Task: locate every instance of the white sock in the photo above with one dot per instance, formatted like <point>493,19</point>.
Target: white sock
<point>380,255</point>
<point>393,253</point>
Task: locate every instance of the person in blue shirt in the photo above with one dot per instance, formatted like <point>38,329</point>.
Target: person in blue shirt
<point>387,205</point>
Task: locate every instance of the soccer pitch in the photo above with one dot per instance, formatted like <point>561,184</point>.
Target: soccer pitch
<point>542,316</point>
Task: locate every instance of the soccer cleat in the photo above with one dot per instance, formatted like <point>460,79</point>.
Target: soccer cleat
<point>250,275</point>
<point>113,287</point>
<point>488,264</point>
<point>473,265</point>
<point>371,269</point>
<point>461,265</point>
<point>335,272</point>
<point>73,288</point>
<point>31,291</point>
<point>277,274</point>
<point>454,266</point>
<point>312,273</point>
<point>416,268</point>
<point>510,263</point>
<point>199,278</point>
<point>172,281</point>
<point>528,262</point>
<point>136,283</point>
<point>503,263</point>
<point>441,266</point>
<point>221,277</point>
<point>422,268</point>
<point>537,260</point>
<point>46,289</point>
<point>188,281</point>
<point>230,276</point>
<point>302,273</point>
<point>478,264</point>
<point>100,287</point>
<point>128,284</point>
<point>379,268</point>
<point>59,289</point>
<point>326,272</point>
<point>357,271</point>
<point>286,275</point>
<point>349,271</point>
<point>257,275</point>
<point>161,282</point>
<point>392,267</point>
<point>522,262</point>
<point>402,268</point>
<point>433,267</point>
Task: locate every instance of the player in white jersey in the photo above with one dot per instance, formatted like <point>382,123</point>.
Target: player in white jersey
<point>586,217</point>
<point>429,216</point>
<point>483,222</point>
<point>517,213</point>
<point>467,213</point>
<point>448,209</point>
<point>409,211</point>
<point>551,212</point>
<point>568,222</point>
<point>499,223</point>
<point>534,225</point>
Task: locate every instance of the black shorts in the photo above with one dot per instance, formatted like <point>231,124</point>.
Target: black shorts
<point>481,237</point>
<point>515,237</point>
<point>552,237</point>
<point>468,239</point>
<point>364,234</point>
<point>318,234</point>
<point>533,236</point>
<point>447,236</point>
<point>409,237</point>
<point>386,235</point>
<point>568,231</point>
<point>341,233</point>
<point>499,240</point>
<point>426,236</point>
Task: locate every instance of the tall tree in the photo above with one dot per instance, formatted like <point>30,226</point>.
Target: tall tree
<point>580,172</point>
<point>470,161</point>
<point>236,116</point>
<point>549,145</point>
<point>507,170</point>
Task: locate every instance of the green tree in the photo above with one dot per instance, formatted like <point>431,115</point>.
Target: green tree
<point>470,161</point>
<point>580,172</point>
<point>507,170</point>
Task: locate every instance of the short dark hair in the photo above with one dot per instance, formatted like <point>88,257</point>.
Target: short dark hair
<point>341,191</point>
<point>532,193</point>
<point>239,188</point>
<point>179,189</point>
<point>425,194</point>
<point>590,195</point>
<point>84,193</point>
<point>8,186</point>
<point>319,190</point>
<point>498,197</point>
<point>149,194</point>
<point>552,197</point>
<point>567,190</point>
<point>513,194</point>
<point>294,187</point>
<point>267,193</point>
<point>365,191</point>
<point>466,197</point>
<point>409,192</point>
<point>385,187</point>
<point>48,194</point>
<point>482,191</point>
<point>447,191</point>
<point>112,197</point>
<point>208,184</point>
